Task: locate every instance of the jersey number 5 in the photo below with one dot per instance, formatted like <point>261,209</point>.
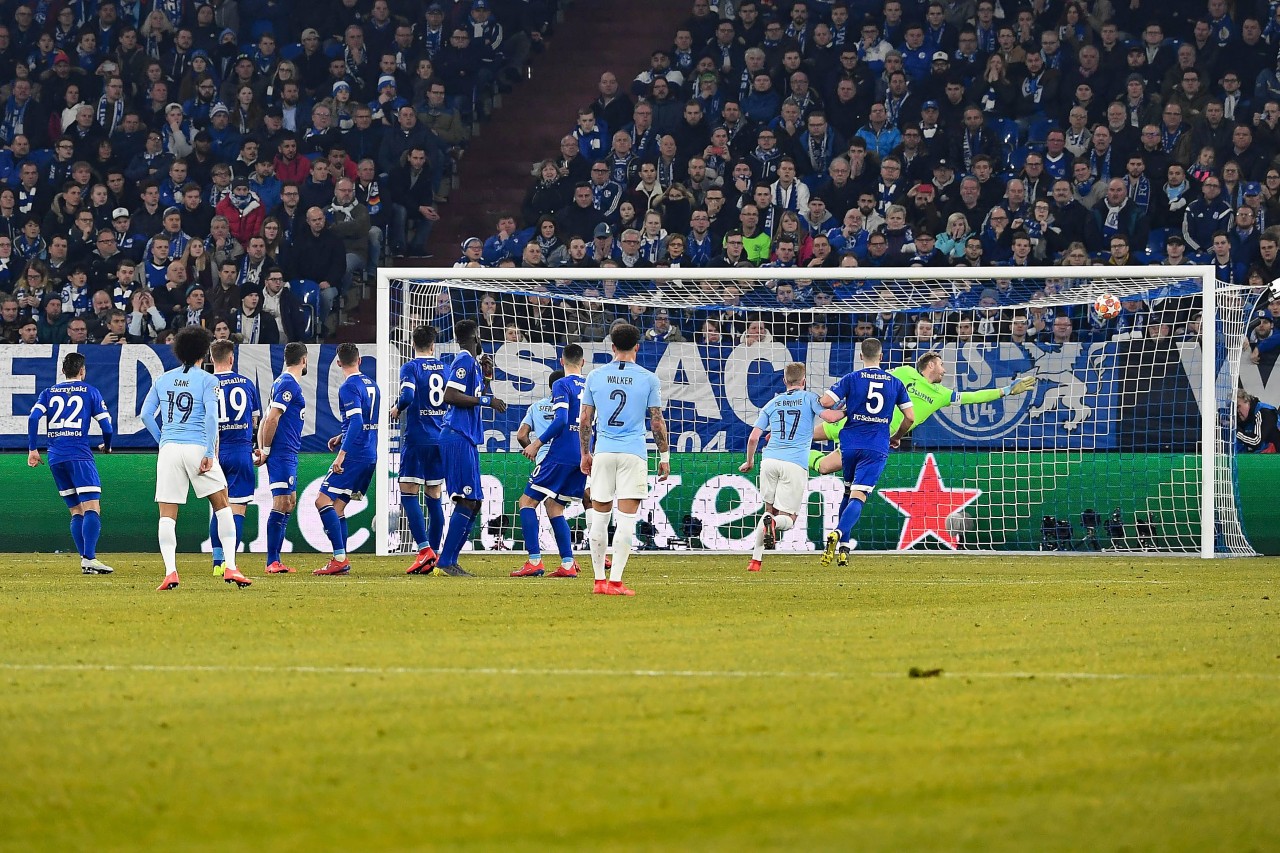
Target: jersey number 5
<point>875,400</point>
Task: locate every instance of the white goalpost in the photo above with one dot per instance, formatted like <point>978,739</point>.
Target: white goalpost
<point>1124,444</point>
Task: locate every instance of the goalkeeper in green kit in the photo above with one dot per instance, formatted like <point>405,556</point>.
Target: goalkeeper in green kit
<point>927,394</point>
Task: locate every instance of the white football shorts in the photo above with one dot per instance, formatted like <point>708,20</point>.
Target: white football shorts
<point>178,467</point>
<point>619,476</point>
<point>783,485</point>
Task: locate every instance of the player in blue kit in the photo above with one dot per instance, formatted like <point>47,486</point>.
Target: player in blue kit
<point>70,407</point>
<point>869,396</point>
<point>185,400</point>
<point>422,381</point>
<point>357,445</point>
<point>239,410</point>
<point>279,440</point>
<point>625,395</point>
<point>784,470</point>
<point>557,477</point>
<point>466,392</point>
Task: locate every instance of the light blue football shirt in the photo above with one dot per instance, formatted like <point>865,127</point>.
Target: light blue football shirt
<point>538,418</point>
<point>185,402</point>
<point>622,393</point>
<point>788,418</point>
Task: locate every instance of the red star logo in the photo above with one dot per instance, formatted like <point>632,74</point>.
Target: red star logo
<point>927,506</point>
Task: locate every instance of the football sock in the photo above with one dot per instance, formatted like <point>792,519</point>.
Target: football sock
<point>239,530</point>
<point>435,518</point>
<point>77,533</point>
<point>342,520</point>
<point>226,519</point>
<point>623,535</point>
<point>529,526</point>
<point>849,517</point>
<point>815,456</point>
<point>784,522</point>
<point>598,538</point>
<point>277,523</point>
<point>456,536</point>
<point>168,536</point>
<point>90,532</point>
<point>417,521</point>
<point>564,539</point>
<point>214,541</point>
<point>844,503</point>
<point>333,529</point>
<point>757,546</point>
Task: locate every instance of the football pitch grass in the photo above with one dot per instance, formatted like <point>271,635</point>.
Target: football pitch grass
<point>1082,704</point>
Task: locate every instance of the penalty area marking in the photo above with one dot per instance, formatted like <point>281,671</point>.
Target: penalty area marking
<point>729,674</point>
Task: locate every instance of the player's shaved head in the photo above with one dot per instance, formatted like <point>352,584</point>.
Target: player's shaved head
<point>424,338</point>
<point>348,354</point>
<point>923,362</point>
<point>572,354</point>
<point>793,374</point>
<point>556,376</point>
<point>626,337</point>
<point>870,350</point>
<point>222,352</point>
<point>72,365</point>
<point>294,354</point>
<point>191,345</point>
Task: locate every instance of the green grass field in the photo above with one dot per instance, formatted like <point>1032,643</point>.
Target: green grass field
<point>1084,704</point>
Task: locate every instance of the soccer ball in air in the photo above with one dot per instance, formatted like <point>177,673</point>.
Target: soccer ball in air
<point>1107,306</point>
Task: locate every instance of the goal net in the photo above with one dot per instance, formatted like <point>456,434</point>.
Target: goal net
<point>1125,442</point>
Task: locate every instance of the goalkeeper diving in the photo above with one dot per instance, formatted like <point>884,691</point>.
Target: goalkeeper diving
<point>928,395</point>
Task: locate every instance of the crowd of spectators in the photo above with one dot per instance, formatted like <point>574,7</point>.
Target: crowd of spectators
<point>244,165</point>
<point>904,134</point>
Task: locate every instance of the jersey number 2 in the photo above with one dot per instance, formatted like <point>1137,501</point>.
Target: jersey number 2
<point>621,397</point>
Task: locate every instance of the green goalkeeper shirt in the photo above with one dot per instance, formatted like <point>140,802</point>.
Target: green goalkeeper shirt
<point>928,398</point>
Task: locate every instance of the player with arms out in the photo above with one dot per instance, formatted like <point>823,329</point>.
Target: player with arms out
<point>185,401</point>
<point>557,478</point>
<point>784,475</point>
<point>70,407</point>
<point>625,395</point>
<point>870,396</point>
<point>352,469</point>
<point>466,393</point>
<point>239,410</point>
<point>422,381</point>
<point>924,384</point>
<point>279,440</point>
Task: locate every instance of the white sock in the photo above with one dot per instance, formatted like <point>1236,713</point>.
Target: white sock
<point>168,536</point>
<point>623,536</point>
<point>227,533</point>
<point>757,550</point>
<point>784,522</point>
<point>598,537</point>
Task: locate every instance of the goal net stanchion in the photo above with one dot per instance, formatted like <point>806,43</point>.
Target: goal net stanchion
<point>1125,443</point>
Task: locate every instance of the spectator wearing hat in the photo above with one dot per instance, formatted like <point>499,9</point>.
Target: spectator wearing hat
<point>388,102</point>
<point>53,321</point>
<point>472,253</point>
<point>243,210</point>
<point>194,312</point>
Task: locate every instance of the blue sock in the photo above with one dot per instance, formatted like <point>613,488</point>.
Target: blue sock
<point>77,533</point>
<point>333,529</point>
<point>456,536</point>
<point>849,518</point>
<point>417,521</point>
<point>529,527</point>
<point>844,503</point>
<point>277,522</point>
<point>239,530</point>
<point>215,541</point>
<point>564,538</point>
<point>91,530</point>
<point>342,520</point>
<point>435,519</point>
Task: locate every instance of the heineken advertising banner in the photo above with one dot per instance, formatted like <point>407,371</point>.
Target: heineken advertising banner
<point>989,498</point>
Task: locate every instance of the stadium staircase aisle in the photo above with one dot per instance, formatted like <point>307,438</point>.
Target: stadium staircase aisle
<point>596,36</point>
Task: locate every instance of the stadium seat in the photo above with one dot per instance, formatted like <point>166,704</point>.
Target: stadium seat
<point>259,28</point>
<point>1038,131</point>
<point>291,51</point>
<point>308,293</point>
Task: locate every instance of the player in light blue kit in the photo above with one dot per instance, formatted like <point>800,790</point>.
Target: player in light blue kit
<point>625,395</point>
<point>466,392</point>
<point>869,397</point>
<point>239,410</point>
<point>422,381</point>
<point>185,400</point>
<point>279,440</point>
<point>357,445</point>
<point>784,472</point>
<point>537,418</point>
<point>557,477</point>
<point>70,407</point>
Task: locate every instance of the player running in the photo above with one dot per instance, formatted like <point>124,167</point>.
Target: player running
<point>784,474</point>
<point>279,440</point>
<point>422,381</point>
<point>557,477</point>
<point>185,400</point>
<point>70,407</point>
<point>357,445</point>
<point>923,384</point>
<point>625,393</point>
<point>466,393</point>
<point>239,410</point>
<point>870,396</point>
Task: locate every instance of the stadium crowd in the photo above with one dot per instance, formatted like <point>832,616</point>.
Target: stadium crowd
<point>232,164</point>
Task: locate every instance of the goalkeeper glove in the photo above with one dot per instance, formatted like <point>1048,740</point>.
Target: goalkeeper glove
<point>1020,386</point>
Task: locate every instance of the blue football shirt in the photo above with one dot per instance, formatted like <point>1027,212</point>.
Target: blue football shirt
<point>622,392</point>
<point>185,402</point>
<point>464,376</point>
<point>539,416</point>
<point>870,395</point>
<point>358,400</point>
<point>238,405</point>
<point>788,418</point>
<point>566,406</point>
<point>69,408</point>
<point>286,395</point>
<point>422,382</point>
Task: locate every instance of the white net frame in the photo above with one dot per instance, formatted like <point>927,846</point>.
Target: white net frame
<point>1194,514</point>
